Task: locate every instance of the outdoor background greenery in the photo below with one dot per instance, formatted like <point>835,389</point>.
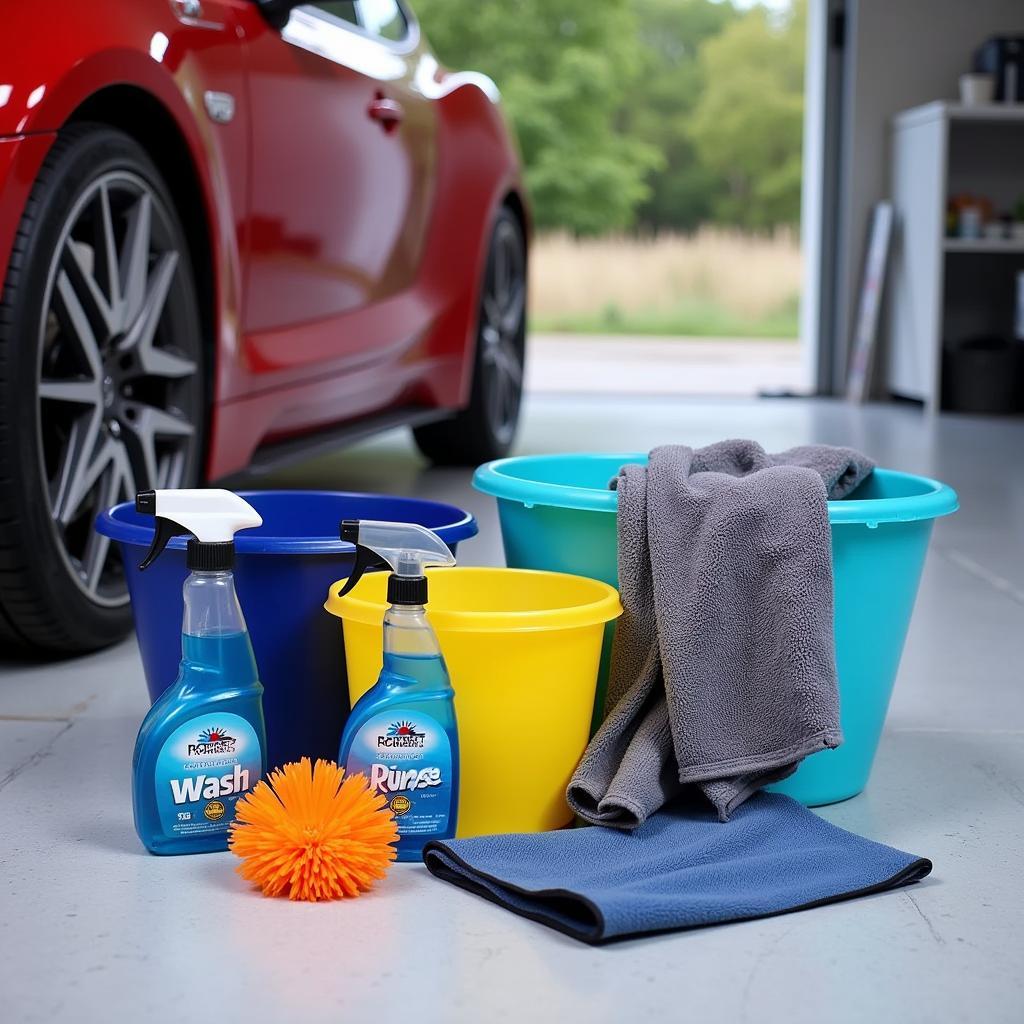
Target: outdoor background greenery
<point>639,117</point>
<point>641,113</point>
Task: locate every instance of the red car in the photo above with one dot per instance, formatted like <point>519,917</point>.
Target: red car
<point>230,230</point>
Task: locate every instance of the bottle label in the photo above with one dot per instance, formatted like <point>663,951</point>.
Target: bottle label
<point>407,757</point>
<point>202,769</point>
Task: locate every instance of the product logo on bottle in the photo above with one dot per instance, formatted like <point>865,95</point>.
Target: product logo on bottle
<point>212,741</point>
<point>402,734</point>
<point>204,766</point>
<point>409,762</point>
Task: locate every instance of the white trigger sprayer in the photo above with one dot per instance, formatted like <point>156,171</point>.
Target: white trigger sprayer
<point>212,517</point>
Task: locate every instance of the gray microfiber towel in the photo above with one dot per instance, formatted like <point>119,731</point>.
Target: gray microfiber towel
<point>723,670</point>
<point>681,869</point>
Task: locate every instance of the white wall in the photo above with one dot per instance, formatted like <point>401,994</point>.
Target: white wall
<point>898,54</point>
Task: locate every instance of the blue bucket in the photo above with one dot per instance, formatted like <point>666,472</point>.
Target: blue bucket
<point>557,513</point>
<point>283,571</point>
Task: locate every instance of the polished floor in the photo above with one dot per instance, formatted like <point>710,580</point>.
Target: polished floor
<point>93,929</point>
<point>637,365</point>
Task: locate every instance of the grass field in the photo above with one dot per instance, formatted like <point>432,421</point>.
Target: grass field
<point>712,284</point>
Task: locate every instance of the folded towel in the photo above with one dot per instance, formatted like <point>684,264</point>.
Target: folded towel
<point>723,671</point>
<point>681,869</point>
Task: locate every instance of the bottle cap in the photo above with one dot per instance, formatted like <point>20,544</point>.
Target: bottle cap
<point>210,555</point>
<point>407,589</point>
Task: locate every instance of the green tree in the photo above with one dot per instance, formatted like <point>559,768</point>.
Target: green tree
<point>747,125</point>
<point>564,70</point>
<point>661,105</point>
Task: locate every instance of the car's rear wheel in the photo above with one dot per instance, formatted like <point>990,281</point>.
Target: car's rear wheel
<point>486,428</point>
<point>101,383</point>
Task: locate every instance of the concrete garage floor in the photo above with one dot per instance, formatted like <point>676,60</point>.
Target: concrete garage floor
<point>93,929</point>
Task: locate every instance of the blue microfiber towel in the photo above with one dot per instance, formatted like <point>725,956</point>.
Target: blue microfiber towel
<point>683,868</point>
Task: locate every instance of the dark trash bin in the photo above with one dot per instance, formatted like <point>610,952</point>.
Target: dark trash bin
<point>984,375</point>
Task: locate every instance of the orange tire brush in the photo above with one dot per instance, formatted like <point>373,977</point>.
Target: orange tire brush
<point>312,834</point>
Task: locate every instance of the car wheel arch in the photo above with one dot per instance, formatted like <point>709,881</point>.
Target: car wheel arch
<point>143,117</point>
<point>515,201</point>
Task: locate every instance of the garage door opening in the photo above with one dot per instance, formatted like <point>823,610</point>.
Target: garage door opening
<point>662,141</point>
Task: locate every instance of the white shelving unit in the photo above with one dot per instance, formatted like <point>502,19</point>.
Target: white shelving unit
<point>944,290</point>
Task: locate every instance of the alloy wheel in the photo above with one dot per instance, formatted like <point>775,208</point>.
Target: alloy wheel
<point>118,394</point>
<point>502,335</point>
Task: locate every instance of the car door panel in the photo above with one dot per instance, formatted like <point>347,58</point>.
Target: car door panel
<point>339,201</point>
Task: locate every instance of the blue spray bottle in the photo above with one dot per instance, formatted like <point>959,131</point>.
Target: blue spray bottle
<point>203,743</point>
<point>402,733</point>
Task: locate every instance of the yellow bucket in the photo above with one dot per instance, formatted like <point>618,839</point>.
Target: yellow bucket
<point>522,649</point>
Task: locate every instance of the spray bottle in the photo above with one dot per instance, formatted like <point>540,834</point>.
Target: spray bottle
<point>203,743</point>
<point>402,733</point>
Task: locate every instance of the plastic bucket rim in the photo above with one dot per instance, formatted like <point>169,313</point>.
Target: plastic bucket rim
<point>603,609</point>
<point>489,479</point>
<point>136,535</point>
<point>936,500</point>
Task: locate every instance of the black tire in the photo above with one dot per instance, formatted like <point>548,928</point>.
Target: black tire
<point>101,375</point>
<point>486,428</point>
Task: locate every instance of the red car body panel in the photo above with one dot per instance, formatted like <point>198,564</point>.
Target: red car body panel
<point>347,252</point>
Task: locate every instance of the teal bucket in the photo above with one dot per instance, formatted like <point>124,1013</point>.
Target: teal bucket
<point>557,513</point>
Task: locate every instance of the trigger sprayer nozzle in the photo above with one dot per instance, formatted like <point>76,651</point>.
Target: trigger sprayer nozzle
<point>406,548</point>
<point>209,516</point>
